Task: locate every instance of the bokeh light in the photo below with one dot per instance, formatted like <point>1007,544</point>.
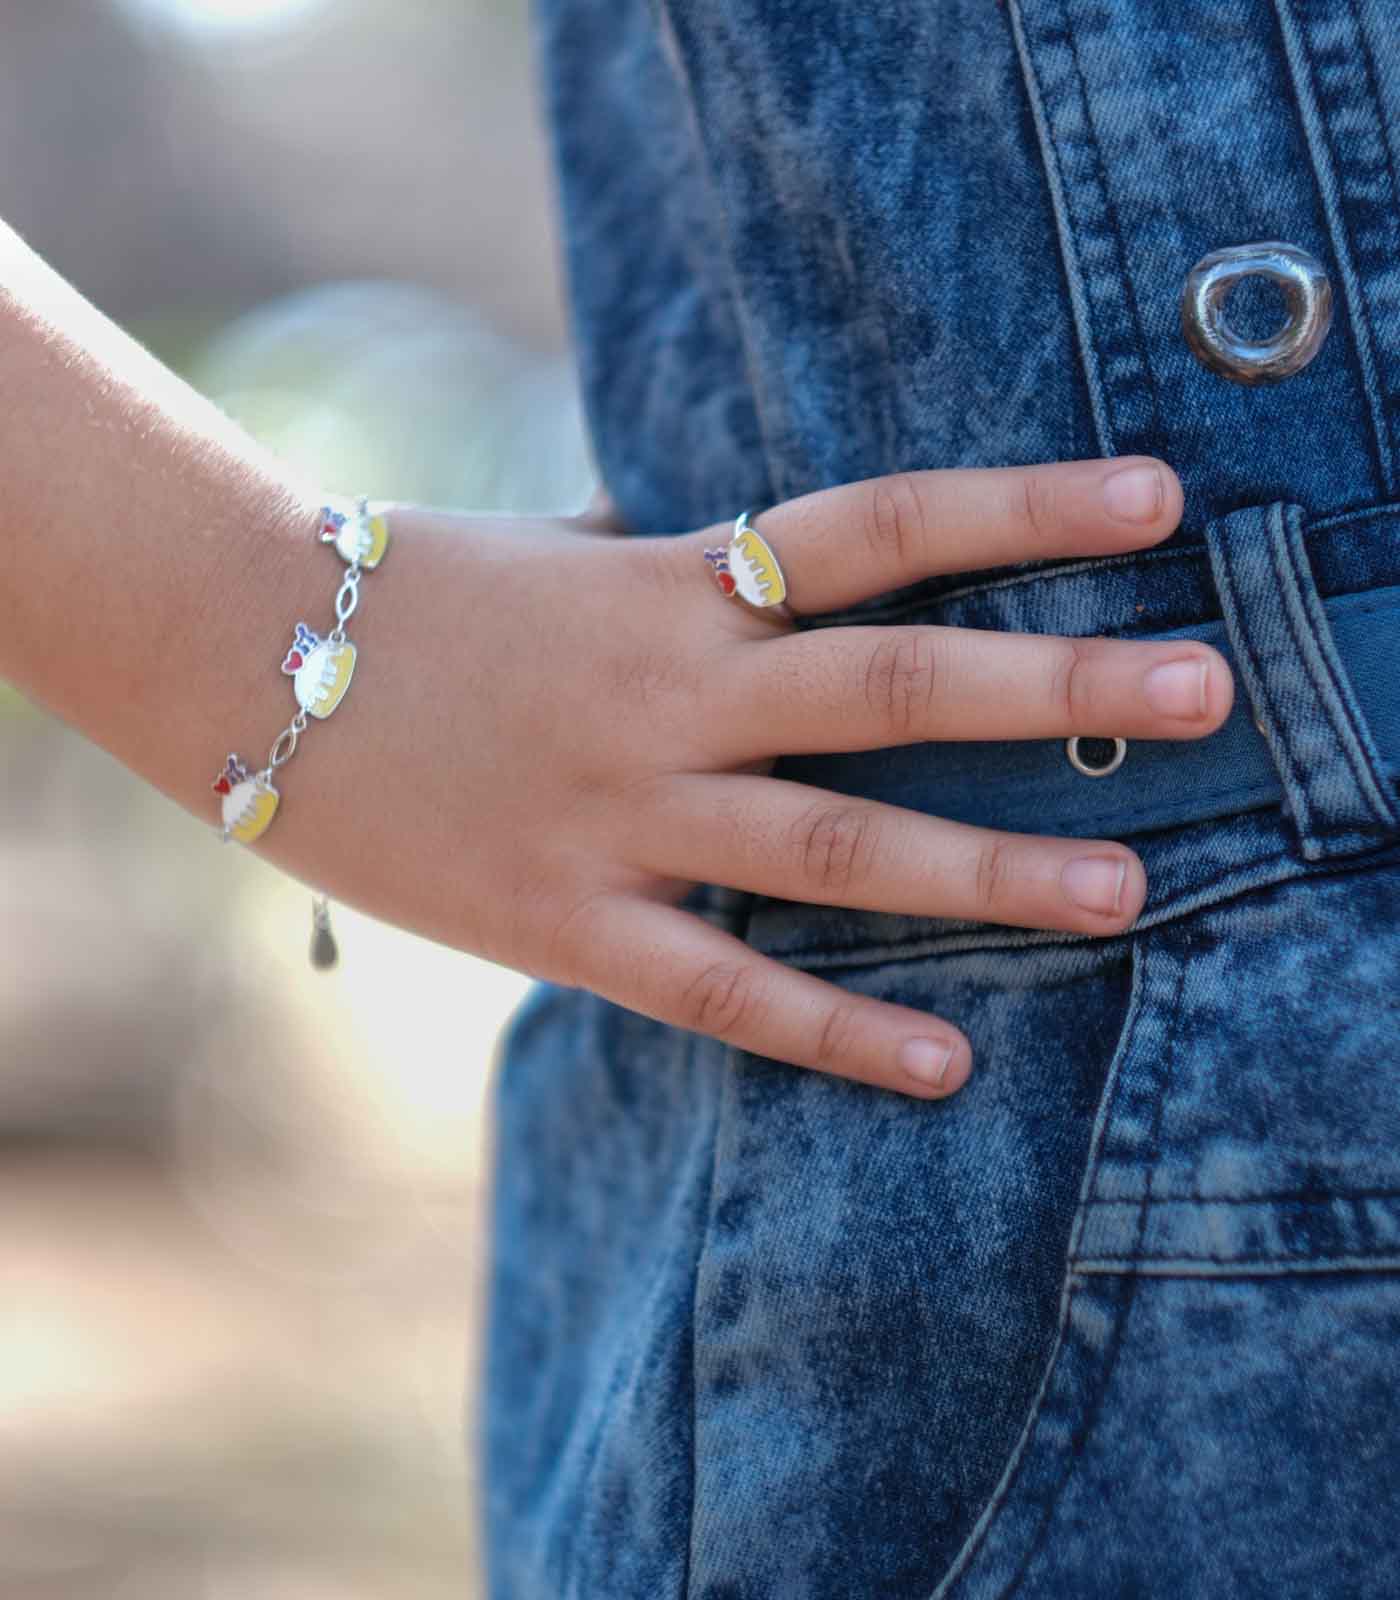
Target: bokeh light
<point>225,14</point>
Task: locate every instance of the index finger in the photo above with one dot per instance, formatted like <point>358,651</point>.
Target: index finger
<point>862,539</point>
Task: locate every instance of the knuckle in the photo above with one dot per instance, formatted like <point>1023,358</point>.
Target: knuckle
<point>719,1000</point>
<point>571,937</point>
<point>840,1030</point>
<point>1040,507</point>
<point>1072,681</point>
<point>835,846</point>
<point>996,863</point>
<point>901,680</point>
<point>897,525</point>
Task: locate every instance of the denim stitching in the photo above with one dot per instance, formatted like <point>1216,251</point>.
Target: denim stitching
<point>1296,787</point>
<point>1124,282</point>
<point>1090,357</point>
<point>1234,1267</point>
<point>1373,92</point>
<point>1315,139</point>
<point>1298,1196</point>
<point>754,368</point>
<point>1293,585</point>
<point>989,1513</point>
<point>1319,645</point>
<point>1383,127</point>
<point>1092,1406</point>
<point>1239,1260</point>
<point>1089,1187</point>
<point>1332,519</point>
<point>1309,825</point>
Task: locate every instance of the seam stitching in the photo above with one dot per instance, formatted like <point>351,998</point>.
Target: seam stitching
<point>1094,1404</point>
<point>1303,90</point>
<point>1122,277</point>
<point>1091,361</point>
<point>1293,1196</point>
<point>1068,1288</point>
<point>1318,649</point>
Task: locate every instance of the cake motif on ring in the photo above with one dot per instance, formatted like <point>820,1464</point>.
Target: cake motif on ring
<point>747,569</point>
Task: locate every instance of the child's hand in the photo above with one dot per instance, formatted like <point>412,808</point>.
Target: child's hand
<point>555,733</point>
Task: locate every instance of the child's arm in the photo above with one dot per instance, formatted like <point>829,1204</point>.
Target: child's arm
<point>152,558</point>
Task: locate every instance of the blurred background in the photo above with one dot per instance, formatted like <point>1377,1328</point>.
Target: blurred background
<point>241,1201</point>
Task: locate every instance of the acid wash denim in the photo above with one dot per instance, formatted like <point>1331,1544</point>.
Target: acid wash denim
<point>1121,1318</point>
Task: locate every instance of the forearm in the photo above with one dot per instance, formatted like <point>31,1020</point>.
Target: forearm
<point>154,558</point>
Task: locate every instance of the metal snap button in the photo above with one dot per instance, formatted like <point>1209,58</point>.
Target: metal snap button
<point>1077,761</point>
<point>1307,293</point>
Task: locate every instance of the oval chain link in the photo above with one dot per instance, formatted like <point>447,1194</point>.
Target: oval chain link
<point>276,757</point>
<point>347,597</point>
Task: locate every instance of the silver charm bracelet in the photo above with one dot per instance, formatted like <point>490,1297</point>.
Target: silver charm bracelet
<point>320,670</point>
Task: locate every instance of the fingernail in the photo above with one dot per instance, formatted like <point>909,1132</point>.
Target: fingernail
<point>1095,883</point>
<point>1177,689</point>
<point>925,1060</point>
<point>1133,494</point>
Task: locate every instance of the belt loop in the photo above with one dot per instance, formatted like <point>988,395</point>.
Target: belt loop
<point>1334,784</point>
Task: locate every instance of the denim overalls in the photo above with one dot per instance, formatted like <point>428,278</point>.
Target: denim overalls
<point>1122,1317</point>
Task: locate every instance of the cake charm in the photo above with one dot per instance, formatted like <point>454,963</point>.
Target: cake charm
<point>320,670</point>
<point>249,801</point>
<point>357,536</point>
<point>320,667</point>
<point>747,570</point>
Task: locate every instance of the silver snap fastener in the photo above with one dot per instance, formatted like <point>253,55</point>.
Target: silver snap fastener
<point>1077,761</point>
<point>1307,292</point>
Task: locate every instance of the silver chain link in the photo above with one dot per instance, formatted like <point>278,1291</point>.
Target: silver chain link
<point>346,599</point>
<point>289,733</point>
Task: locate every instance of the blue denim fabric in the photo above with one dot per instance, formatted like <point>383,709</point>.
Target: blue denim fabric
<point>1121,1318</point>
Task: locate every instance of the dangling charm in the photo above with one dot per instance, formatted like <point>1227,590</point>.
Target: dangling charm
<point>356,535</point>
<point>320,670</point>
<point>249,801</point>
<point>324,953</point>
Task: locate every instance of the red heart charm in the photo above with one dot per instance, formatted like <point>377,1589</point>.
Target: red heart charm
<point>293,661</point>
<point>726,581</point>
<point>222,786</point>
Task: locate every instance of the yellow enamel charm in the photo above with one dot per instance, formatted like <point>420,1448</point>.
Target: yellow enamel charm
<point>356,535</point>
<point>320,670</point>
<point>757,575</point>
<point>249,801</point>
<point>746,569</point>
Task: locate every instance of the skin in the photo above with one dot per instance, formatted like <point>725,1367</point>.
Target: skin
<point>554,732</point>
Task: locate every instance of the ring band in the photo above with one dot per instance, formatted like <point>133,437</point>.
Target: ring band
<point>748,570</point>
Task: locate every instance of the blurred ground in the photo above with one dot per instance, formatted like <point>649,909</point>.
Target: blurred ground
<point>241,1200</point>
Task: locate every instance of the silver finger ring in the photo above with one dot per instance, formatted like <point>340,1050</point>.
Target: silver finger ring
<point>746,569</point>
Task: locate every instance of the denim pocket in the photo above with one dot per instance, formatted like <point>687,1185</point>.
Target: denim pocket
<point>1221,1407</point>
<point>879,1284</point>
<point>1148,1254</point>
